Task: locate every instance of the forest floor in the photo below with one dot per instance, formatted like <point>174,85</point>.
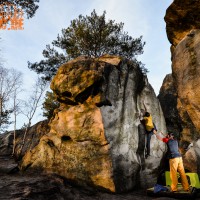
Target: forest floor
<point>15,185</point>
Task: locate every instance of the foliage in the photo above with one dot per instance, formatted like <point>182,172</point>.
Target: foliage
<point>49,66</point>
<point>5,120</point>
<point>50,104</point>
<point>9,8</point>
<point>89,36</point>
<point>24,126</point>
<point>29,7</point>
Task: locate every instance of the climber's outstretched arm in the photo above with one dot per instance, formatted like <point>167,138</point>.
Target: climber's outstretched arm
<point>158,136</point>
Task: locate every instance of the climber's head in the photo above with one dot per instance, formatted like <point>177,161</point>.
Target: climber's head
<point>147,114</point>
<point>170,135</point>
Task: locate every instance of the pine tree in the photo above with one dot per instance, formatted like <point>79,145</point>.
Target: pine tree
<point>49,105</point>
<point>90,36</point>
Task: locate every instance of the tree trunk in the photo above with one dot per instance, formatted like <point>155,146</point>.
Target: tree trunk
<point>1,105</point>
<point>15,121</point>
<point>24,137</point>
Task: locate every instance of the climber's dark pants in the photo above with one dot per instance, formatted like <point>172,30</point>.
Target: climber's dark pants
<point>149,134</point>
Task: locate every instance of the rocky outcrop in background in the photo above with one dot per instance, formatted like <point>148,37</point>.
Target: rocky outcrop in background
<point>32,139</point>
<point>183,31</point>
<point>96,137</point>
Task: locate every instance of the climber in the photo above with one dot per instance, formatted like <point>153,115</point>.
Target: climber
<point>149,127</point>
<point>175,161</point>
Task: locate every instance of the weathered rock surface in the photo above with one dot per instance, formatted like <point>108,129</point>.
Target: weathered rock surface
<point>183,30</point>
<point>34,185</point>
<point>95,136</point>
<point>32,139</point>
<point>168,100</point>
<point>181,17</point>
<point>186,70</point>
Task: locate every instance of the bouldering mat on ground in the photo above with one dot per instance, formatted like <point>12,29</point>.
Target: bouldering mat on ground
<point>181,194</point>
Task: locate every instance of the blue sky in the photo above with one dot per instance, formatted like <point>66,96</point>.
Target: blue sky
<point>140,17</point>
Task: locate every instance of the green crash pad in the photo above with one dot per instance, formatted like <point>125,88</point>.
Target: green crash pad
<point>193,179</point>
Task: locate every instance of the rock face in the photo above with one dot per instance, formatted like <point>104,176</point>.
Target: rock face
<point>38,186</point>
<point>183,30</point>
<point>168,100</point>
<point>186,70</point>
<point>96,137</point>
<point>32,139</point>
<point>181,17</point>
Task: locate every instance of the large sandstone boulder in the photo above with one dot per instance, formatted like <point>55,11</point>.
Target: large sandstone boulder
<point>96,137</point>
<point>183,30</point>
<point>186,70</point>
<point>181,17</point>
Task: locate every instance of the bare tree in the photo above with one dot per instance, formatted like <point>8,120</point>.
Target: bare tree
<point>17,103</point>
<point>9,80</point>
<point>32,104</point>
